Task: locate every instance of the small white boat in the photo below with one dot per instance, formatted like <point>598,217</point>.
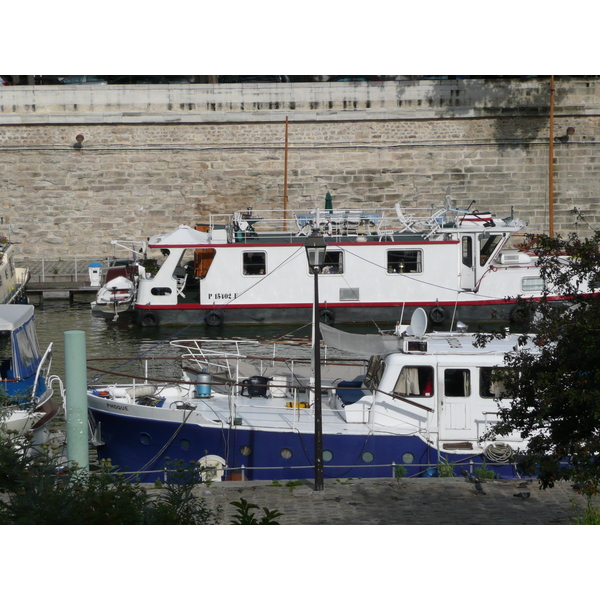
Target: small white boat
<point>115,296</point>
<point>26,382</point>
<point>12,279</point>
<point>246,411</point>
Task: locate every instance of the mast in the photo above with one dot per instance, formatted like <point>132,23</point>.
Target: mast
<point>285,170</point>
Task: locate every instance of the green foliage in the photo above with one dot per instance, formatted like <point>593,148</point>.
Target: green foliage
<point>555,384</point>
<point>39,493</point>
<point>293,484</point>
<point>484,472</point>
<point>590,515</point>
<point>400,471</point>
<point>445,468</point>
<point>245,514</point>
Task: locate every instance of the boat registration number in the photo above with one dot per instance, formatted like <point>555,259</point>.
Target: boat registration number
<point>223,296</point>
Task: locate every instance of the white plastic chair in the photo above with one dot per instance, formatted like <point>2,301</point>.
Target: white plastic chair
<point>352,222</point>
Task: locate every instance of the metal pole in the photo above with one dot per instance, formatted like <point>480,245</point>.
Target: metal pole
<point>319,485</point>
<point>551,161</point>
<point>285,170</point>
<point>76,401</point>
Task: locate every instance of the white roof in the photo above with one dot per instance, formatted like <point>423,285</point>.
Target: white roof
<point>184,235</point>
<point>13,316</point>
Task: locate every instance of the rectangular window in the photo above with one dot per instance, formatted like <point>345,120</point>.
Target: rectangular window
<point>254,263</point>
<point>467,251</point>
<point>374,372</point>
<point>334,263</point>
<point>488,386</point>
<point>405,261</point>
<point>532,284</point>
<point>487,247</point>
<point>415,381</point>
<point>457,383</point>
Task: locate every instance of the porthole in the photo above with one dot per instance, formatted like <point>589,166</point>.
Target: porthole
<point>327,455</point>
<point>367,457</point>
<point>408,458</point>
<point>185,444</point>
<point>246,450</point>
<point>286,453</point>
<point>145,438</point>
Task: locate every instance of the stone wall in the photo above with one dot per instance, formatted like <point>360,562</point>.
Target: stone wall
<point>144,171</point>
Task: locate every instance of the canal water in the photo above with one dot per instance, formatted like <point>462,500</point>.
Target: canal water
<point>121,340</point>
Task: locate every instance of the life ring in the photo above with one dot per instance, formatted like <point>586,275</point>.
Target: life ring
<point>437,315</point>
<point>519,314</point>
<point>214,318</point>
<point>149,319</point>
<point>326,316</point>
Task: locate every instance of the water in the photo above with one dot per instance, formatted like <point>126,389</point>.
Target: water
<point>121,340</point>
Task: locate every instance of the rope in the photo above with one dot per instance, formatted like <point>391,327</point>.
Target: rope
<point>499,452</point>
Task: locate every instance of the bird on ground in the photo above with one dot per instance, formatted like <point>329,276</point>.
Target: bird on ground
<point>479,488</point>
<point>524,484</point>
<point>469,476</point>
<point>522,495</point>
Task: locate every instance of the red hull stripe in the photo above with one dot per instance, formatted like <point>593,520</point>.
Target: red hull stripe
<point>329,305</point>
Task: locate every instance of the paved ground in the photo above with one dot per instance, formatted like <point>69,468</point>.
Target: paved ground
<point>426,501</point>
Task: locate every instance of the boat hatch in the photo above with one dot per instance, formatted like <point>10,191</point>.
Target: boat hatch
<point>415,346</point>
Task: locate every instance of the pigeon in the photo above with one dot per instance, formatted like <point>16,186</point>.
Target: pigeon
<point>469,476</point>
<point>522,495</point>
<point>479,488</point>
<point>524,484</point>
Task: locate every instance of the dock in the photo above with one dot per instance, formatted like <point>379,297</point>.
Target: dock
<point>59,280</point>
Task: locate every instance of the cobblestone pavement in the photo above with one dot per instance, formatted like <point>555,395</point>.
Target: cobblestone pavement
<point>425,501</point>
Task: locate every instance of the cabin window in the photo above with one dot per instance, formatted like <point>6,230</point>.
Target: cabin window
<point>405,261</point>
<point>334,263</point>
<point>467,251</point>
<point>161,291</point>
<point>457,382</point>
<point>415,381</point>
<point>374,372</point>
<point>489,387</point>
<point>532,284</point>
<point>487,247</point>
<point>254,263</point>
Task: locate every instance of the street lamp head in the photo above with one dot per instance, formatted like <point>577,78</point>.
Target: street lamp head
<point>316,247</point>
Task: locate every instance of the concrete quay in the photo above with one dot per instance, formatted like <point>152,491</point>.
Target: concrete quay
<point>424,501</point>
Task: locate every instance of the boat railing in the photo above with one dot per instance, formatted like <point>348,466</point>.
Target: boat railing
<point>249,224</point>
<point>396,470</point>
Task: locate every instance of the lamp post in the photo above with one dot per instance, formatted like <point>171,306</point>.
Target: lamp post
<point>315,253</point>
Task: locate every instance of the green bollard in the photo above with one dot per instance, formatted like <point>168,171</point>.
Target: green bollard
<point>76,405</point>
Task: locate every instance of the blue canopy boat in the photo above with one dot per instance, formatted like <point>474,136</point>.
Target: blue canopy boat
<point>25,382</point>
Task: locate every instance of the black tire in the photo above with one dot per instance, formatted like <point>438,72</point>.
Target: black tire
<point>437,315</point>
<point>520,314</point>
<point>214,318</point>
<point>326,316</point>
<point>149,319</point>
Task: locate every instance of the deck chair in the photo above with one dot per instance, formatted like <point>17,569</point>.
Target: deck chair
<point>384,231</point>
<point>408,223</point>
<point>303,225</point>
<point>352,222</point>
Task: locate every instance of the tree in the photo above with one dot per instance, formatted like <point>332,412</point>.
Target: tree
<point>555,385</point>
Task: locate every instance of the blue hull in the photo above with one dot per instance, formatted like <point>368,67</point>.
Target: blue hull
<point>134,444</point>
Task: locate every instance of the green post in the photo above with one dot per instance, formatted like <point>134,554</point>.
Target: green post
<point>76,409</point>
